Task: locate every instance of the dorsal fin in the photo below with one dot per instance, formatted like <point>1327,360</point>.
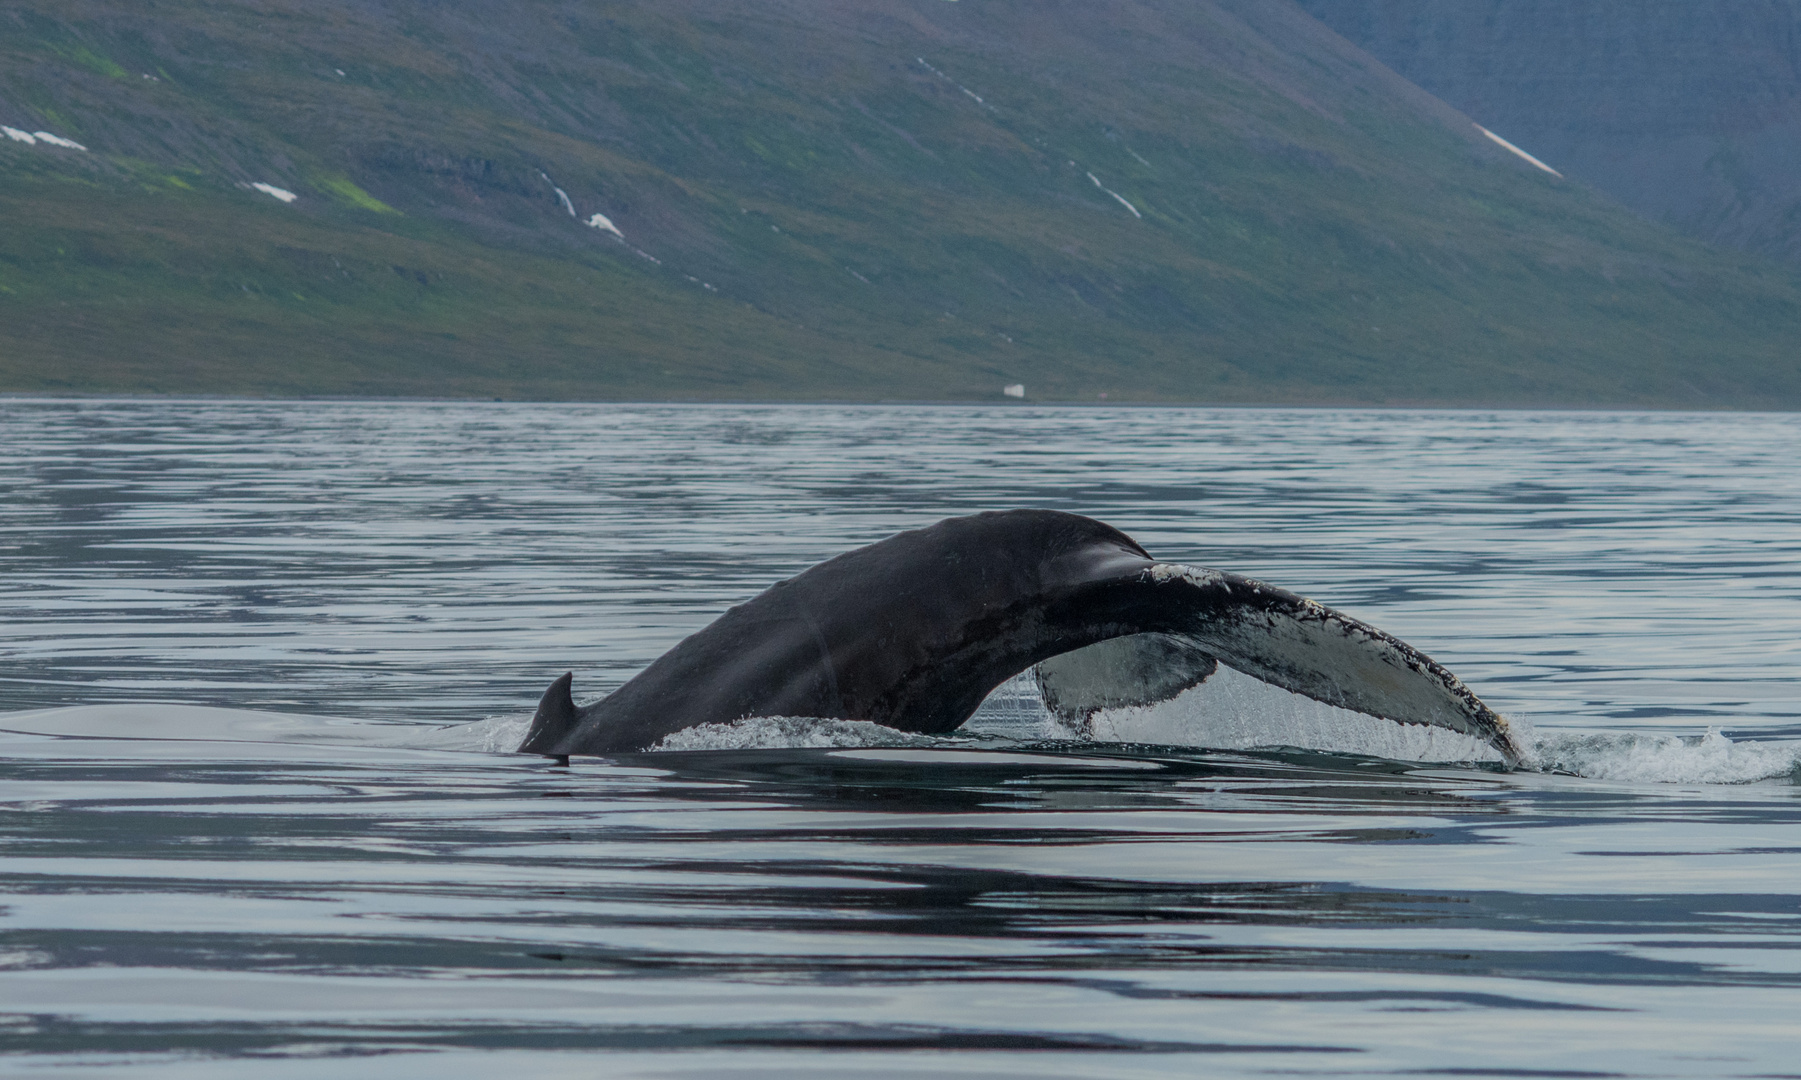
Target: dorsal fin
<point>555,718</point>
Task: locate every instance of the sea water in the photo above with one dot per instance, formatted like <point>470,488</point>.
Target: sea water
<point>261,665</point>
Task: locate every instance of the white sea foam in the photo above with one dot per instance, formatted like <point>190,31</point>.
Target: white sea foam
<point>789,732</point>
<point>16,135</point>
<point>271,190</point>
<point>1711,758</point>
<point>603,223</point>
<point>1231,711</point>
<point>503,734</point>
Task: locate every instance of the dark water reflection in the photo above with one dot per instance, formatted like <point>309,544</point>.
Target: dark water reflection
<point>174,903</point>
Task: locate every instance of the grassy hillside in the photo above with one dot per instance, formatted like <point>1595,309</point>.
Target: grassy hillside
<point>1686,112</point>
<point>1213,200</point>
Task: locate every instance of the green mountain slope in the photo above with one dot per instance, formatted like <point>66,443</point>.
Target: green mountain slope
<point>1213,200</point>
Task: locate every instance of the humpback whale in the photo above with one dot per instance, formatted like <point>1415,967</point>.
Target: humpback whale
<point>914,631</point>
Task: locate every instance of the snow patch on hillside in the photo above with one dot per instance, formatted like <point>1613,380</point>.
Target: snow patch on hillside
<point>1504,144</point>
<point>972,94</point>
<point>1116,195</point>
<point>58,140</point>
<point>32,138</point>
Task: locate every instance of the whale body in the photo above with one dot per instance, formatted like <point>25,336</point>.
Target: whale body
<point>915,631</point>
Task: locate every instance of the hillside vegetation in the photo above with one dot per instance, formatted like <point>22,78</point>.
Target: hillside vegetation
<point>1159,200</point>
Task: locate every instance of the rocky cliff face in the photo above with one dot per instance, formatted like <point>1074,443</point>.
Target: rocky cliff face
<point>1689,111</point>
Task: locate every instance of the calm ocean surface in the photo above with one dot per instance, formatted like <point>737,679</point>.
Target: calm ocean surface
<point>258,660</point>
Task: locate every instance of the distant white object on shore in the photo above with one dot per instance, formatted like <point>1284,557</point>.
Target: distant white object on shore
<point>1509,146</point>
<point>1014,390</point>
<point>280,193</point>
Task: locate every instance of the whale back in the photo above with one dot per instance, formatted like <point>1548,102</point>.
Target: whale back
<point>912,632</point>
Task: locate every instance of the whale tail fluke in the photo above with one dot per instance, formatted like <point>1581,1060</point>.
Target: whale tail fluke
<point>914,631</point>
<point>556,718</point>
<point>1309,649</point>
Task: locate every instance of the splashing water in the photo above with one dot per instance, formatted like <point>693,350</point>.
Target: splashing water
<point>1667,759</point>
<point>1230,711</point>
<point>789,733</point>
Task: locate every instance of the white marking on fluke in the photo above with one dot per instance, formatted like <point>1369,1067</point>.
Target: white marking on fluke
<point>1194,575</point>
<point>1232,710</point>
<point>1504,144</point>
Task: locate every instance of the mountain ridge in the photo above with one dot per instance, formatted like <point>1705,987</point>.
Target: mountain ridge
<point>1213,201</point>
<point>1689,113</point>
